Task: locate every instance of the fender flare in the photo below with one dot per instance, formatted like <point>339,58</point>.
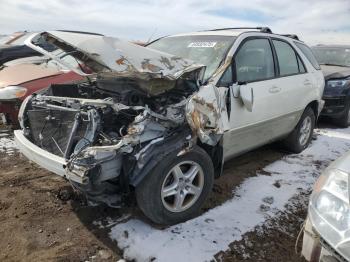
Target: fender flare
<point>142,166</point>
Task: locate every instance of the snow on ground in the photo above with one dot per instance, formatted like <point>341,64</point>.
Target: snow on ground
<point>7,144</point>
<point>257,199</point>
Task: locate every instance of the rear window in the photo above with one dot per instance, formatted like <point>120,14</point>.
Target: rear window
<point>309,54</point>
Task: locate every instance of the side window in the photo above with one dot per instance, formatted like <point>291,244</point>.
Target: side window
<point>309,55</point>
<point>254,61</point>
<point>226,78</point>
<point>287,58</point>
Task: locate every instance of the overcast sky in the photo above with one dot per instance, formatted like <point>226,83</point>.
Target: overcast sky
<point>315,21</point>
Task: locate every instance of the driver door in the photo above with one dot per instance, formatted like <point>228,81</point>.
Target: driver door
<point>253,72</point>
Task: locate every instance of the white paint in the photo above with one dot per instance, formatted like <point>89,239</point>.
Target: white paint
<point>199,239</point>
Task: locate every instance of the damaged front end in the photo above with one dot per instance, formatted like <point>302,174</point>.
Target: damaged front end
<point>109,138</point>
<point>110,131</point>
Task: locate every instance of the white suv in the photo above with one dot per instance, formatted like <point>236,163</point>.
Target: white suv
<point>162,125</point>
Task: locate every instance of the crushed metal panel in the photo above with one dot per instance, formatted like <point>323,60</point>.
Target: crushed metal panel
<point>107,54</point>
<point>204,115</point>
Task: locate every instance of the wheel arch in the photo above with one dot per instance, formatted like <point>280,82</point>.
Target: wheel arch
<point>134,171</point>
<point>314,105</point>
<point>216,154</point>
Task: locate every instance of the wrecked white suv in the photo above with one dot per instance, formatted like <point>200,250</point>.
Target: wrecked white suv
<point>162,125</point>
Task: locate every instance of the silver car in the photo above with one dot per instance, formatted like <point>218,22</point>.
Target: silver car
<point>161,120</point>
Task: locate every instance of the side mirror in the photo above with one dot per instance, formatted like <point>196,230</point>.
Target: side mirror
<point>247,96</point>
<point>245,92</point>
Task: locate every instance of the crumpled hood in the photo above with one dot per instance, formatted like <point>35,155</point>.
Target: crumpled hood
<point>106,54</point>
<point>335,72</point>
<point>21,73</point>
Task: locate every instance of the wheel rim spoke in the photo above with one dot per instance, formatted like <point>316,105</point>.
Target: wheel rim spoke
<point>193,190</point>
<point>170,190</point>
<point>178,172</point>
<point>179,200</point>
<point>191,174</point>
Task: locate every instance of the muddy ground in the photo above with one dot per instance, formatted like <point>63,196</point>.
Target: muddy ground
<point>42,219</point>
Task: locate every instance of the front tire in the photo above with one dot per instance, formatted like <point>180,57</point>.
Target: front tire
<point>301,136</point>
<point>177,187</point>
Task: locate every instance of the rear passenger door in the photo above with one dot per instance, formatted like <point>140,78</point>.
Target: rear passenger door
<point>292,83</point>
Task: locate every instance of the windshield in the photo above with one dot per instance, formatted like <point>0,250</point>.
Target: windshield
<point>339,56</point>
<point>209,50</point>
<point>70,60</point>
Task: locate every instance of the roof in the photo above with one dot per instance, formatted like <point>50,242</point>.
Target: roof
<point>235,32</point>
<point>218,32</point>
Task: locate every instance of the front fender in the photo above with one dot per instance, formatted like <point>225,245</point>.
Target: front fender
<point>204,115</point>
<point>147,158</point>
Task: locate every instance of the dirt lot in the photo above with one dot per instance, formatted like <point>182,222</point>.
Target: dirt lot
<point>44,220</point>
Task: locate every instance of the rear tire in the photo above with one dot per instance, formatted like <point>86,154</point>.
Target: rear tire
<point>301,136</point>
<point>167,195</point>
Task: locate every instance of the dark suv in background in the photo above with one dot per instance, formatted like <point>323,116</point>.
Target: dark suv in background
<point>335,64</point>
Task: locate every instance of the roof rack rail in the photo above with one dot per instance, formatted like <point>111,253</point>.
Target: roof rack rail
<point>80,32</point>
<point>261,29</point>
<point>292,36</point>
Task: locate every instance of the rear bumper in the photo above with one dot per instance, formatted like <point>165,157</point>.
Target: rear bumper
<point>45,159</point>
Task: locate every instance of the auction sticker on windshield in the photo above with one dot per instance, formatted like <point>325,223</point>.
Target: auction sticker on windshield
<point>202,44</point>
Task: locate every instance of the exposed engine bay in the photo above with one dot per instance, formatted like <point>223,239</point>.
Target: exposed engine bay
<point>97,125</point>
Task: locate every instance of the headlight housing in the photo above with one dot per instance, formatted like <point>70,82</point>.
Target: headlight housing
<point>329,207</point>
<point>12,92</point>
<point>331,198</point>
<point>338,83</point>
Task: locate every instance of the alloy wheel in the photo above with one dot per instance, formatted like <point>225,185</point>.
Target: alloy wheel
<point>182,186</point>
<point>305,131</point>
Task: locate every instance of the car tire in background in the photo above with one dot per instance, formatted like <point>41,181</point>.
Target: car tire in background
<point>176,188</point>
<point>344,121</point>
<point>301,136</point>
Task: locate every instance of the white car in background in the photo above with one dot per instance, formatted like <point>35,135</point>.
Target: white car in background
<point>161,120</point>
<point>327,228</point>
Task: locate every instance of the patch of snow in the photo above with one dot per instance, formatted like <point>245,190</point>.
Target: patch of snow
<point>7,144</point>
<point>259,198</point>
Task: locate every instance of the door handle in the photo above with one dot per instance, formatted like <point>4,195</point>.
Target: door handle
<point>274,89</point>
<point>307,82</point>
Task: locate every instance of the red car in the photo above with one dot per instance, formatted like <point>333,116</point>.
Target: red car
<point>19,81</point>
